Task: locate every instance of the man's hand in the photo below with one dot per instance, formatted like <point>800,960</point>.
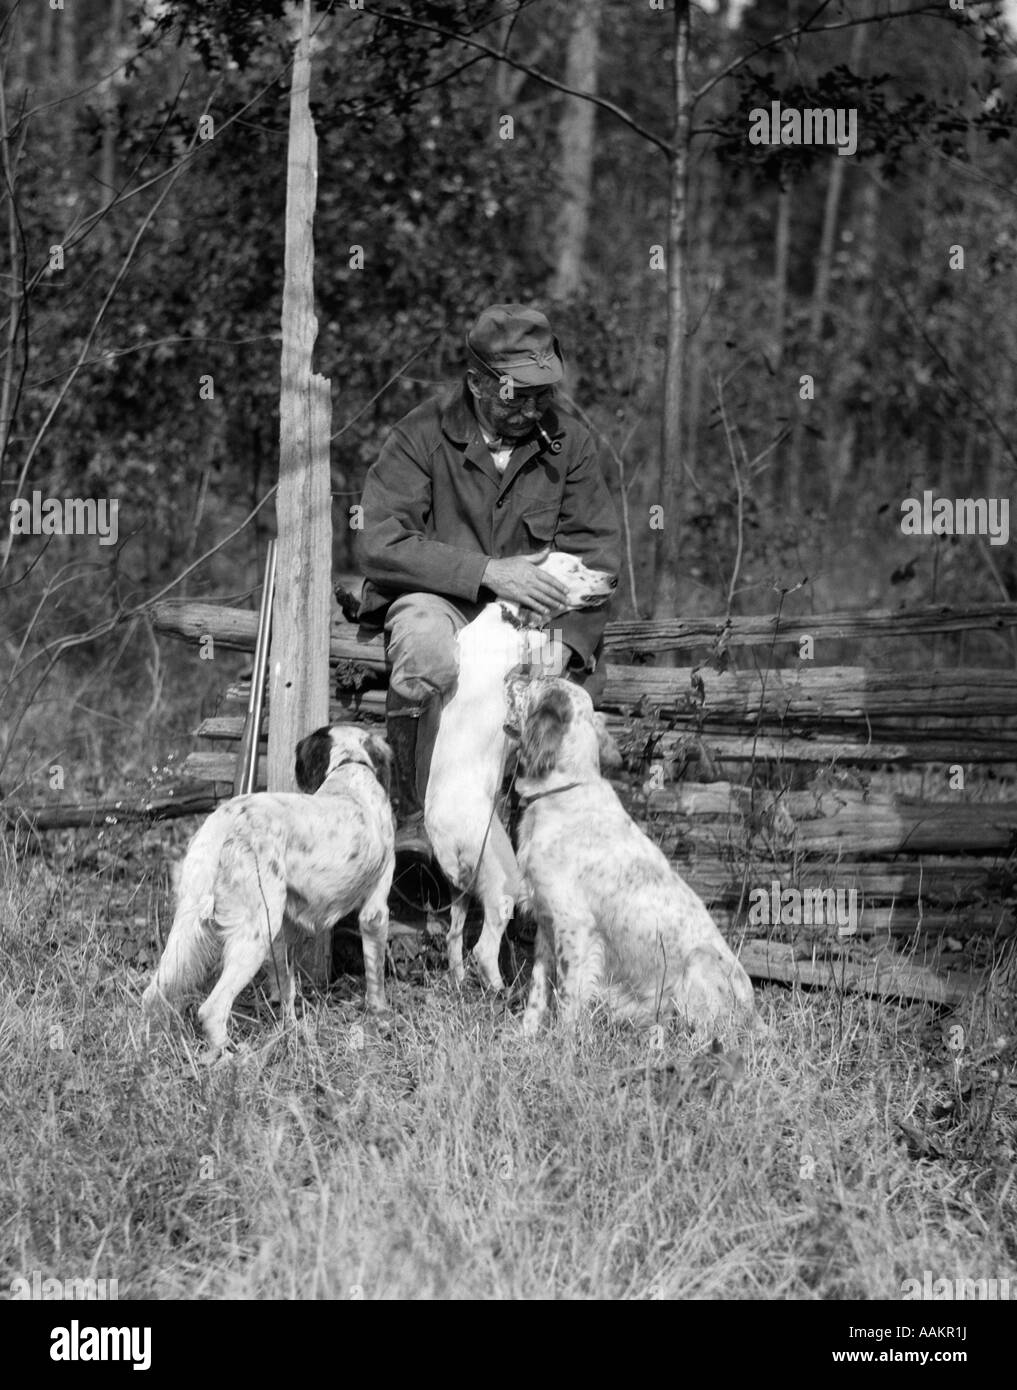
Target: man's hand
<point>519,579</point>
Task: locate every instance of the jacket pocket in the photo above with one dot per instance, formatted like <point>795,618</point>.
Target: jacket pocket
<point>542,523</point>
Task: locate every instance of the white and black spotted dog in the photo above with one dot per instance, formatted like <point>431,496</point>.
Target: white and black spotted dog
<point>612,914</point>
<point>269,867</point>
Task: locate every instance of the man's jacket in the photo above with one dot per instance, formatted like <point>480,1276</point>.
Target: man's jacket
<point>436,510</point>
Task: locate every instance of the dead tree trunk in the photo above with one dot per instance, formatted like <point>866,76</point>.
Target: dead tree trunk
<point>298,669</point>
<point>298,679</point>
<point>299,664</point>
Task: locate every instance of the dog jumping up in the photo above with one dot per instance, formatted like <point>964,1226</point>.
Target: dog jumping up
<point>268,867</point>
<point>470,843</point>
<point>613,916</point>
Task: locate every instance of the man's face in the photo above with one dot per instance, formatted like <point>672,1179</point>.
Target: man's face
<point>509,416</point>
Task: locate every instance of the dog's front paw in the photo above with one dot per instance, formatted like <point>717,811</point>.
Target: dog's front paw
<point>532,1019</point>
<point>383,1021</point>
<point>218,1054</point>
<point>488,969</point>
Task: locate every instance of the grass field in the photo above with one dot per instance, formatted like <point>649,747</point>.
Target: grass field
<point>456,1159</point>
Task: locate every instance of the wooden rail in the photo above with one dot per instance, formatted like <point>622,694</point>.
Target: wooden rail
<point>235,627</point>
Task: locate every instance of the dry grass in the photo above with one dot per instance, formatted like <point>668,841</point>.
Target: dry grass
<point>458,1159</point>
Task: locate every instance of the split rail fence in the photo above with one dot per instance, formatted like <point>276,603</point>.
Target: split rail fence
<point>785,772</point>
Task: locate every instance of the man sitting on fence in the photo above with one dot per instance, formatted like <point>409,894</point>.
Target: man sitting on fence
<point>469,490</point>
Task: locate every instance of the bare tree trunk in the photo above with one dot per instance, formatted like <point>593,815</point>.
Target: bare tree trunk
<point>841,476</point>
<point>65,114</point>
<point>110,88</point>
<point>831,211</point>
<point>824,265</point>
<point>868,236</point>
<point>781,264</point>
<point>703,203</point>
<point>43,74</point>
<point>665,594</point>
<point>576,150</point>
<point>824,261</point>
<point>781,260</point>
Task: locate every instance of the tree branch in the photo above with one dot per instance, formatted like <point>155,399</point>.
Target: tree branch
<point>969,396</point>
<point>94,328</point>
<point>932,10</point>
<point>502,57</point>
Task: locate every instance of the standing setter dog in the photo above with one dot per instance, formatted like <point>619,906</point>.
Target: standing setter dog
<point>469,841</point>
<point>611,912</point>
<point>268,867</point>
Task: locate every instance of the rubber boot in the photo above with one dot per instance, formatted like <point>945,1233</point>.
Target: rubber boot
<point>411,729</point>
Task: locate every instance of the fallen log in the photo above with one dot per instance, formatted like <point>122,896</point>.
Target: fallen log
<point>86,815</point>
<point>956,743</point>
<point>677,634</point>
<point>798,700</point>
<point>882,977</point>
<point>964,749</point>
<point>219,767</point>
<point>947,881</point>
<point>856,831</point>
<point>901,921</point>
<point>235,627</point>
<point>800,696</point>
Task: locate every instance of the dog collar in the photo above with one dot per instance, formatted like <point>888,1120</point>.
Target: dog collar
<point>517,621</point>
<point>526,801</point>
<point>351,762</point>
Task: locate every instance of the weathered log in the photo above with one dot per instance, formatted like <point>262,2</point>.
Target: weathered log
<point>805,695</point>
<point>219,767</point>
<point>883,977</point>
<point>722,748</point>
<point>677,634</point>
<point>851,836</point>
<point>234,627</point>
<point>956,742</point>
<point>899,921</point>
<point>848,822</point>
<point>759,804</point>
<point>184,801</point>
<point>800,699</point>
<point>941,881</point>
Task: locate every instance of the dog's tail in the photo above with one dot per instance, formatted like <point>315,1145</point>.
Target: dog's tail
<point>191,946</point>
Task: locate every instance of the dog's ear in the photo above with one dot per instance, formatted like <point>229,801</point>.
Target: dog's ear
<point>530,618</point>
<point>517,689</point>
<point>543,730</point>
<point>610,753</point>
<point>381,760</point>
<point>313,753</point>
